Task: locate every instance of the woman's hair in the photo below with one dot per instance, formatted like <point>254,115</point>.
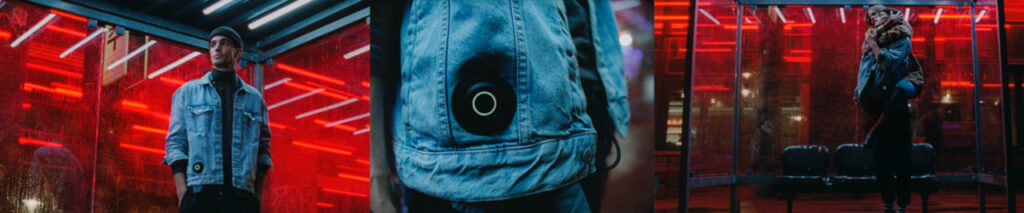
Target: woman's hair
<point>877,8</point>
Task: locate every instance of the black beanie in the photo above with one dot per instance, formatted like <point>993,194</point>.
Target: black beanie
<point>227,32</point>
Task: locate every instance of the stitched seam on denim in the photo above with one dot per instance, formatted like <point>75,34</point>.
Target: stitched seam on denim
<point>498,149</point>
<point>522,72</point>
<point>442,109</point>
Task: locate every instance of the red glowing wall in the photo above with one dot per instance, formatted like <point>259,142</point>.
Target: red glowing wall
<point>72,143</point>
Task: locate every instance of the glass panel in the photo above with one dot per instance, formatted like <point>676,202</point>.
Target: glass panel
<point>63,122</point>
<point>802,73</point>
<point>321,141</point>
<point>712,104</point>
<point>47,113</point>
<point>671,22</point>
<point>1014,29</point>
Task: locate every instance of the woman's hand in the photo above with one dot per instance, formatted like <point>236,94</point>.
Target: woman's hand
<point>869,40</point>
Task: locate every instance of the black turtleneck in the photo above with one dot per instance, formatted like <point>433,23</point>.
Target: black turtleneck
<point>224,82</point>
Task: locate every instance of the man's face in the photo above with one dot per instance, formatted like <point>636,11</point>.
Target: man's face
<point>223,52</point>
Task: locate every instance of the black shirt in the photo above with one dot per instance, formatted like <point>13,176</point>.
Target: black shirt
<point>226,86</point>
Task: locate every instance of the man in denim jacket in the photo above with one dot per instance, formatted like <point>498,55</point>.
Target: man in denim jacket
<point>218,138</point>
<point>491,107</point>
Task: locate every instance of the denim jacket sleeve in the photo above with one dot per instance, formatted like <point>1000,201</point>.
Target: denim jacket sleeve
<point>264,153</point>
<point>177,139</point>
<point>894,52</point>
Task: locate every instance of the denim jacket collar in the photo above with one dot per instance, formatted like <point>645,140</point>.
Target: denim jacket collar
<point>208,79</point>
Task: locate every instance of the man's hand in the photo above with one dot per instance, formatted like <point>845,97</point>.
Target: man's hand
<point>180,186</point>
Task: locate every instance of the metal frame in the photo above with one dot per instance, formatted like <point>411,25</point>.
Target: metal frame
<point>151,25</point>
<point>733,179</point>
<point>1008,111</point>
<point>307,37</point>
<point>197,38</point>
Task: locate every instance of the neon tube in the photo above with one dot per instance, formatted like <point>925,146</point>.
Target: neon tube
<point>132,54</point>
<point>277,13</point>
<point>173,65</point>
<point>83,41</point>
<point>322,109</point>
<point>32,30</point>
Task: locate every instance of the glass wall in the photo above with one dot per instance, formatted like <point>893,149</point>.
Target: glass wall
<point>48,121</point>
<point>88,128</point>
<point>318,97</point>
<point>798,71</point>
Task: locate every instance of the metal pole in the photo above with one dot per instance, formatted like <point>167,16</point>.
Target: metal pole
<point>734,201</point>
<point>1008,131</point>
<point>684,170</point>
<point>977,110</point>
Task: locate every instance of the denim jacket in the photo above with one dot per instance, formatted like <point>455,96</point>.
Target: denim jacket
<point>194,133</point>
<point>893,59</point>
<point>549,142</point>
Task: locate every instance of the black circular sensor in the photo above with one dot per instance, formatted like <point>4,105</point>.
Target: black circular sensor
<point>484,104</point>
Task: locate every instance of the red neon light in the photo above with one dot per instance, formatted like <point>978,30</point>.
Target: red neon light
<point>719,43</point>
<point>938,39</point>
<point>309,74</point>
<point>142,148</point>
<point>733,27</point>
<point>327,205</point>
<point>710,88</point>
<point>344,192</point>
<point>26,105</point>
<point>340,126</point>
<point>365,84</point>
<point>307,88</point>
<point>172,81</point>
<point>69,15</point>
<point>65,30</point>
<point>53,70</point>
<point>944,16</point>
<point>916,39</point>
<point>65,86</point>
<point>656,18</point>
<point>354,177</point>
<point>279,126</point>
<point>724,50</point>
<point>800,51</point>
<point>322,148</point>
<point>363,161</point>
<point>59,91</point>
<point>796,59</point>
<point>24,141</point>
<point>128,103</point>
<point>672,3</point>
<point>967,84</point>
<point>5,34</point>
<point>332,89</point>
<point>149,129</point>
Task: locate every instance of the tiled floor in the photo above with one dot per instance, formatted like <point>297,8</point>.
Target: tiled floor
<point>960,197</point>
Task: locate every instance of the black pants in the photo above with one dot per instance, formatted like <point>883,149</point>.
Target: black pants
<point>894,176</point>
<point>893,150</point>
<point>216,198</point>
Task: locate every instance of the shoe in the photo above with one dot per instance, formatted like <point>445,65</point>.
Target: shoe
<point>889,208</point>
<point>901,209</point>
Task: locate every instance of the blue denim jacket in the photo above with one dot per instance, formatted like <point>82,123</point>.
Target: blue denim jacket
<point>549,143</point>
<point>194,133</point>
<point>891,58</point>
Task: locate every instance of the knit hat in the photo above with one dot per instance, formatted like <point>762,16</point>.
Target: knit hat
<point>227,32</point>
